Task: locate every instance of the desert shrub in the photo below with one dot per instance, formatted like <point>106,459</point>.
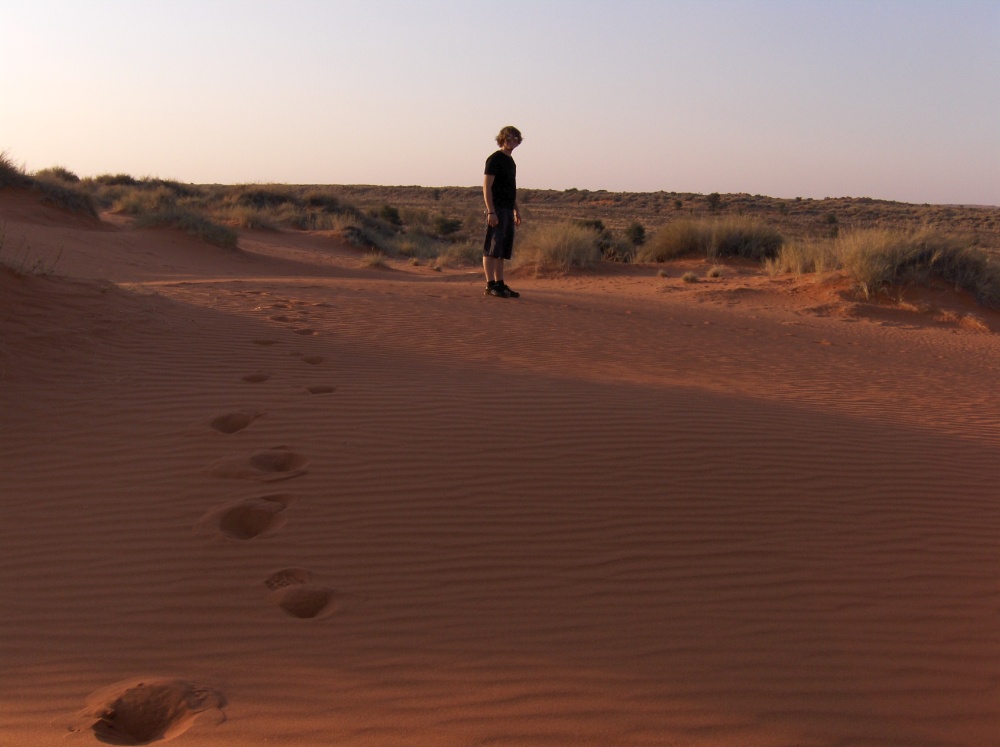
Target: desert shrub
<point>137,202</point>
<point>179,189</point>
<point>743,237</point>
<point>261,196</point>
<point>246,216</point>
<point>12,175</point>
<point>729,237</point>
<point>58,173</point>
<point>559,246</point>
<point>116,180</point>
<point>66,196</point>
<point>877,258</point>
<point>677,239</point>
<point>322,200</point>
<point>635,232</point>
<point>803,257</point>
<point>689,277</point>
<point>192,221</point>
<point>53,190</point>
<point>444,226</point>
<point>616,248</point>
<point>714,201</point>
<point>160,207</point>
<point>373,259</point>
<point>390,214</point>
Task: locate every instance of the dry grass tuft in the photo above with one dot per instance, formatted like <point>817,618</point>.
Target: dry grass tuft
<point>879,258</point>
<point>373,259</point>
<point>725,237</point>
<point>56,186</point>
<point>801,257</point>
<point>558,247</point>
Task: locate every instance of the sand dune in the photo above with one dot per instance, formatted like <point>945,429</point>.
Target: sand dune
<point>266,496</point>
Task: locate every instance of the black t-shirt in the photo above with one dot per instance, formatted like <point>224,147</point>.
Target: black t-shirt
<point>502,168</point>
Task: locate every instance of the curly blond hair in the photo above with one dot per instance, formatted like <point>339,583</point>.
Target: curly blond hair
<point>511,131</point>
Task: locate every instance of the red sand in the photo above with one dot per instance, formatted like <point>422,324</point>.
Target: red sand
<point>269,497</point>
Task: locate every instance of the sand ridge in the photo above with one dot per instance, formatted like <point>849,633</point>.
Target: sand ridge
<point>356,506</point>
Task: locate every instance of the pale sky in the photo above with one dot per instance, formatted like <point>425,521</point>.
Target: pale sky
<point>893,99</point>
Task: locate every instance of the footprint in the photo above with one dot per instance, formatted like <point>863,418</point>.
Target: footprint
<point>246,519</point>
<point>313,360</point>
<point>305,601</point>
<point>268,465</point>
<point>304,331</point>
<point>293,591</point>
<point>281,318</point>
<point>321,389</point>
<point>234,422</point>
<point>138,712</point>
<point>278,459</point>
<point>287,577</point>
<point>257,378</point>
<point>265,342</point>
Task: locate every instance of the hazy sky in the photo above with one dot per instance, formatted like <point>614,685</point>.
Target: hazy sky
<point>895,99</point>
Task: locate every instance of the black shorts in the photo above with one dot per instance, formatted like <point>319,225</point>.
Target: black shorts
<point>500,238</point>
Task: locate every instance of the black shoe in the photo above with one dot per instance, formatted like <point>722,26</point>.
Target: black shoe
<point>508,291</point>
<point>490,285</point>
<point>499,290</point>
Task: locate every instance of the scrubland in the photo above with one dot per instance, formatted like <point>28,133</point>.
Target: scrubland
<point>876,243</point>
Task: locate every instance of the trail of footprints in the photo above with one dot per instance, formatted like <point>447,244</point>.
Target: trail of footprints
<point>143,711</point>
<point>291,589</point>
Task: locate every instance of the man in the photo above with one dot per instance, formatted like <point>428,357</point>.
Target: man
<point>500,193</point>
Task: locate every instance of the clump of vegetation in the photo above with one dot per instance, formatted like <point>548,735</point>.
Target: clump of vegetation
<point>746,238</point>
<point>55,186</point>
<point>878,258</point>
<point>391,215</point>
<point>676,239</point>
<point>12,175</point>
<point>728,237</point>
<point>801,257</point>
<point>559,246</point>
<point>374,259</point>
<point>192,221</point>
<point>635,233</point>
<point>59,173</point>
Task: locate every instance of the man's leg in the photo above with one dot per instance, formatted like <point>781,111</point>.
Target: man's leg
<point>490,268</point>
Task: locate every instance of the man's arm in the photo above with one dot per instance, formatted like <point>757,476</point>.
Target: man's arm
<point>488,197</point>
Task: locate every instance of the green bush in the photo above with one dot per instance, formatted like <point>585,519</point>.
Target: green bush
<point>635,232</point>
<point>444,226</point>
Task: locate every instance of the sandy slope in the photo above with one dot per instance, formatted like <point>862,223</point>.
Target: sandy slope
<point>268,497</point>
